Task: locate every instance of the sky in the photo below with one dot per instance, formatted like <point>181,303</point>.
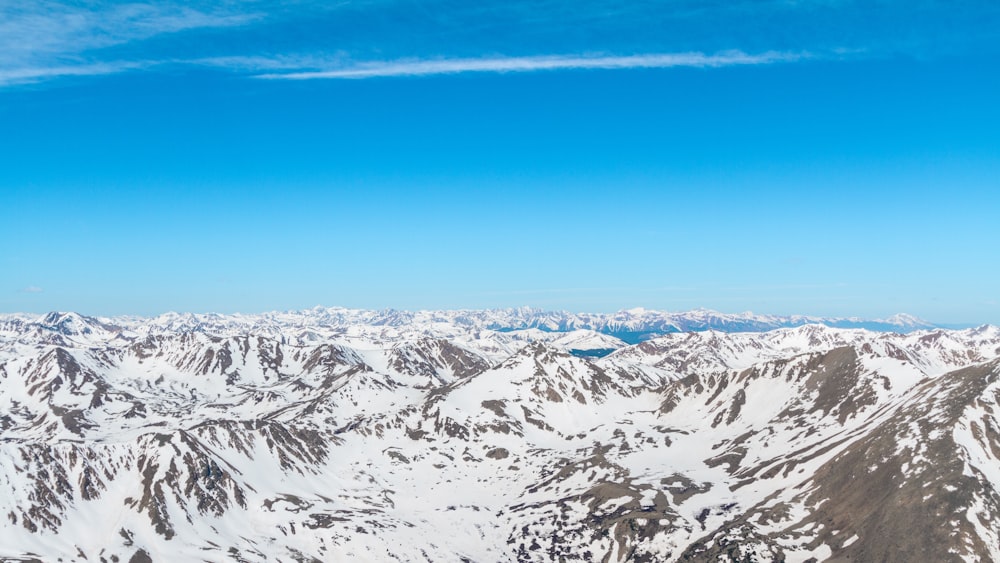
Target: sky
<point>826,157</point>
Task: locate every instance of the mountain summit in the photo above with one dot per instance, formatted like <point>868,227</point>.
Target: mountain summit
<point>499,435</point>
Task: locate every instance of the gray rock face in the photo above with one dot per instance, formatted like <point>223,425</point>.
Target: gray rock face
<point>393,436</point>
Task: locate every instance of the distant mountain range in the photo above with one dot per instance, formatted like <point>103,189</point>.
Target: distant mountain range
<point>498,435</point>
<point>631,326</point>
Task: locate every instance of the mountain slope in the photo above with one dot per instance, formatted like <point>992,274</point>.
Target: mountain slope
<point>397,436</point>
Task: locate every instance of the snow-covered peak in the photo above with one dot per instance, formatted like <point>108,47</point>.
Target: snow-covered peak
<point>906,322</point>
<point>343,434</point>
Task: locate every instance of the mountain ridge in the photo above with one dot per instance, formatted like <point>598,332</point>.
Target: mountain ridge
<point>631,325</point>
<point>413,436</point>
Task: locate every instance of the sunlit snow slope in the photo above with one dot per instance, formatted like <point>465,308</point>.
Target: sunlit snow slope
<point>345,435</point>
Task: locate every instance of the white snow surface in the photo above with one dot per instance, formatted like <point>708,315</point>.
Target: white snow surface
<point>334,434</point>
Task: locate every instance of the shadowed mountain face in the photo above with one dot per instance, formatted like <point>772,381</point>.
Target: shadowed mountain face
<point>393,436</point>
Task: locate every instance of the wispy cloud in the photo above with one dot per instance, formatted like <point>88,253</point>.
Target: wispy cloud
<point>417,67</point>
<point>44,39</point>
<point>31,289</point>
<point>23,75</point>
<point>40,40</point>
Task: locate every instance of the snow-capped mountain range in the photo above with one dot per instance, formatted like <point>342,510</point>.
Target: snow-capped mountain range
<point>499,435</point>
<point>631,326</point>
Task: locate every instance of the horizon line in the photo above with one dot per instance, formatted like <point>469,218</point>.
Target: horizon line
<point>633,310</point>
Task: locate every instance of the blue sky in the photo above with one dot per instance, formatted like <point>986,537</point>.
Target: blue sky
<point>827,157</point>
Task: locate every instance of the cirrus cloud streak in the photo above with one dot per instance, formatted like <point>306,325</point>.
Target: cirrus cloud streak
<point>417,67</point>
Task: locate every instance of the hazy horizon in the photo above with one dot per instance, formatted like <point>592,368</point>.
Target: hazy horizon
<point>901,318</point>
